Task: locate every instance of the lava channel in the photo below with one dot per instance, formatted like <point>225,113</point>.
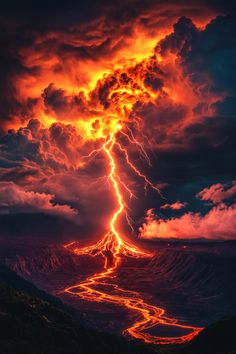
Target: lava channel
<point>112,247</point>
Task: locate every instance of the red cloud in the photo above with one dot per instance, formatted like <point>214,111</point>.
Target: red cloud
<point>174,206</point>
<point>14,199</point>
<point>218,192</point>
<point>218,223</point>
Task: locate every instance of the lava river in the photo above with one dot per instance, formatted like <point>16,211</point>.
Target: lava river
<point>103,287</point>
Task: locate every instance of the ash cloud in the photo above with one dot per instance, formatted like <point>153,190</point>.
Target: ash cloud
<point>15,199</point>
<point>188,129</point>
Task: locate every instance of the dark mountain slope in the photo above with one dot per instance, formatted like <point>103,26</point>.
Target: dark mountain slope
<point>218,338</point>
<point>32,322</point>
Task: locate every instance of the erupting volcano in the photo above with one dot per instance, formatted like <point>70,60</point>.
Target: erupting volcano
<point>117,122</point>
<point>102,287</point>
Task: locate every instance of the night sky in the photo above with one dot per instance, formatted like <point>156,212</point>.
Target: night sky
<point>165,69</point>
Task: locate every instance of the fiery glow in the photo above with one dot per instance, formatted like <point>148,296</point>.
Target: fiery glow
<point>100,96</point>
<point>118,91</point>
<point>112,247</point>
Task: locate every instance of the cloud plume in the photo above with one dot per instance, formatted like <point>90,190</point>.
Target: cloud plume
<point>15,199</point>
<point>69,77</point>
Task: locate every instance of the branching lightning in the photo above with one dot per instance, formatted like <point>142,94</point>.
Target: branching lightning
<point>102,102</point>
<point>112,247</point>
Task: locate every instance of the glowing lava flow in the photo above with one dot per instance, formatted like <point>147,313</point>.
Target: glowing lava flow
<point>112,247</point>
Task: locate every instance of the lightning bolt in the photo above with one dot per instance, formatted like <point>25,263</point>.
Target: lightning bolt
<point>112,247</point>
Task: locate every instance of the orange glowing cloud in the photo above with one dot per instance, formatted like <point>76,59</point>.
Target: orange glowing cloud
<point>91,74</point>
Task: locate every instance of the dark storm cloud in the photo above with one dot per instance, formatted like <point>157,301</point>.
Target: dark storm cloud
<point>159,119</point>
<point>197,153</point>
<point>205,148</point>
<point>213,54</point>
<point>57,100</point>
<point>180,40</point>
<point>22,21</point>
<point>37,176</point>
<point>10,67</point>
<point>15,199</point>
<point>207,57</point>
<point>53,149</point>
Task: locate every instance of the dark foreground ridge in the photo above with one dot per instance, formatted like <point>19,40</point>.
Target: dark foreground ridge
<point>218,338</point>
<point>33,322</point>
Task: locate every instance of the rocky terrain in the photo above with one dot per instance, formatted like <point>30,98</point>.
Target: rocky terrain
<point>33,322</point>
<point>195,283</point>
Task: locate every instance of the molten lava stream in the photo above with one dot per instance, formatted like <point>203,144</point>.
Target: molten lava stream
<point>112,247</point>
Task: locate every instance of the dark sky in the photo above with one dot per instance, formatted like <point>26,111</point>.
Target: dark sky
<point>167,68</point>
